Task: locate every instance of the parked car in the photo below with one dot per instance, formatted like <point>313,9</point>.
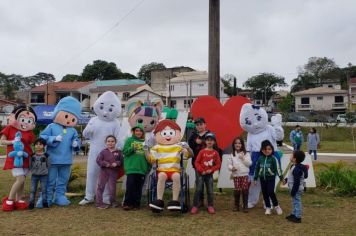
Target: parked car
<point>322,118</point>
<point>296,118</point>
<point>341,118</point>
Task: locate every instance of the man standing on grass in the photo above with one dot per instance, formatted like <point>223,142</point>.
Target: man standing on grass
<point>296,138</point>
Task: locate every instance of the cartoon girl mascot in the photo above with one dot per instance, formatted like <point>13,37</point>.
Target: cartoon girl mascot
<point>107,107</point>
<point>62,140</point>
<point>167,155</point>
<point>23,120</point>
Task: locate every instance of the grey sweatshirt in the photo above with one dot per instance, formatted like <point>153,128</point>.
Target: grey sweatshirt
<point>39,164</point>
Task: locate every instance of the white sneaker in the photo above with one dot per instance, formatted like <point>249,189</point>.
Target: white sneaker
<point>85,202</point>
<point>278,210</point>
<point>268,211</point>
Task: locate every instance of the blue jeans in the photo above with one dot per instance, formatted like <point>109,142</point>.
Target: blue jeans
<point>34,182</point>
<point>201,196</point>
<point>314,151</point>
<point>297,204</point>
<point>296,146</point>
<point>209,184</point>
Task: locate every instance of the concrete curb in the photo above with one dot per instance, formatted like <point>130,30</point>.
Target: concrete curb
<point>326,154</point>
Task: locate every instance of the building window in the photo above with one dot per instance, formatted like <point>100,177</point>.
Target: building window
<point>319,98</point>
<point>330,86</point>
<point>171,88</point>
<point>188,103</point>
<point>305,100</point>
<point>201,85</point>
<point>125,96</point>
<point>37,98</point>
<point>99,95</point>
<point>339,99</point>
<point>173,103</point>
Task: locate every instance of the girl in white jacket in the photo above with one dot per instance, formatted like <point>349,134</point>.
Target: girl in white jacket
<point>239,163</point>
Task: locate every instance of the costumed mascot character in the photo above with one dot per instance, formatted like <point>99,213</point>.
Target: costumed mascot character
<point>146,113</point>
<point>254,121</point>
<point>23,120</point>
<point>107,107</point>
<point>62,139</point>
<point>167,155</point>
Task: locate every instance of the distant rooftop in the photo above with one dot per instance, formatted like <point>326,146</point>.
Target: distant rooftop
<point>193,75</point>
<point>320,90</point>
<point>62,86</point>
<point>118,82</point>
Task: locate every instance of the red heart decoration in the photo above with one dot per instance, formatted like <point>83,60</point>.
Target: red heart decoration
<point>223,120</point>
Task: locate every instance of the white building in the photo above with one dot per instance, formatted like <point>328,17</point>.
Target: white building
<point>187,86</point>
<point>321,99</point>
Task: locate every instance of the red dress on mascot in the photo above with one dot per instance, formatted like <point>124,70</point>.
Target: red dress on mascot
<point>22,119</point>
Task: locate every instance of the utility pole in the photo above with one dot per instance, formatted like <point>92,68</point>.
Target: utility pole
<point>214,49</point>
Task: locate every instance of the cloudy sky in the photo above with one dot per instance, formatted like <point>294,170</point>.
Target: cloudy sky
<point>61,37</point>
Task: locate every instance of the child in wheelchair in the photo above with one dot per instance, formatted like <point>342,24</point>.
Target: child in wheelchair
<point>167,155</point>
<point>207,162</point>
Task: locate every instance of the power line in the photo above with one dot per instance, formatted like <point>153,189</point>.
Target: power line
<point>103,35</point>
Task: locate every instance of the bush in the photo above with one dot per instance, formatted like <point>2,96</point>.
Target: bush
<point>338,178</point>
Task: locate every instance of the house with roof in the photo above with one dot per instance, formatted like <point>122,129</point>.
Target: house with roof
<point>321,99</point>
<point>123,88</point>
<point>51,93</point>
<point>187,86</point>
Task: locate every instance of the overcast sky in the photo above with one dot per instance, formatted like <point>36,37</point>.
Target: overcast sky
<point>256,36</point>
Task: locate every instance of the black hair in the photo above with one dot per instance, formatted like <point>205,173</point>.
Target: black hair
<point>299,156</point>
<point>110,136</point>
<point>243,148</point>
<point>265,144</point>
<point>20,108</point>
<point>40,141</point>
<point>297,126</point>
<point>314,130</point>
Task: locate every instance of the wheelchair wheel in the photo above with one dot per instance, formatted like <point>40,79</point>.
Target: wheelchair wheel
<point>185,192</point>
<point>151,190</point>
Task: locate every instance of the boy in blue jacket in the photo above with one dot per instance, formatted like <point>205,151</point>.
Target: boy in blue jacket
<point>295,179</point>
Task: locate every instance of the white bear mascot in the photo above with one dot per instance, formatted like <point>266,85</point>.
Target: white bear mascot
<point>107,107</point>
<point>254,121</point>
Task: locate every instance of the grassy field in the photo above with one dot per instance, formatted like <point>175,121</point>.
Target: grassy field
<point>324,214</point>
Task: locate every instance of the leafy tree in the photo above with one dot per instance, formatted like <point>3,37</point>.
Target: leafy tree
<point>303,82</point>
<point>264,84</point>
<point>128,76</point>
<point>38,79</point>
<point>71,78</point>
<point>285,105</point>
<point>228,82</point>
<point>145,71</point>
<point>10,84</point>
<point>101,70</point>
<point>318,67</point>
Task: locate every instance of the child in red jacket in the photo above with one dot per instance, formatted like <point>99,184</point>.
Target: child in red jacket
<point>207,162</point>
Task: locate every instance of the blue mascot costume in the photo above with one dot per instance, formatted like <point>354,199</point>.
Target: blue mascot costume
<point>62,140</point>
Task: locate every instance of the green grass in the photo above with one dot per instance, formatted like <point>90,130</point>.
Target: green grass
<point>2,150</point>
<point>322,216</point>
<point>332,147</point>
<point>325,133</point>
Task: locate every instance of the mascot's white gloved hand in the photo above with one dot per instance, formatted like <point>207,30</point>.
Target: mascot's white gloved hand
<point>20,153</point>
<point>74,144</point>
<point>276,120</point>
<point>59,138</point>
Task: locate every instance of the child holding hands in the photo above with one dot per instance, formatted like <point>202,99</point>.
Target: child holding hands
<point>207,162</point>
<point>239,163</point>
<point>110,160</point>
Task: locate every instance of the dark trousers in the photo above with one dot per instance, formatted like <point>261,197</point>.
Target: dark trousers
<point>208,181</point>
<point>201,196</point>
<point>107,177</point>
<point>34,182</point>
<point>134,184</point>
<point>267,187</point>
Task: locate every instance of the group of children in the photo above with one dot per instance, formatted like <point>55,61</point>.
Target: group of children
<point>206,162</point>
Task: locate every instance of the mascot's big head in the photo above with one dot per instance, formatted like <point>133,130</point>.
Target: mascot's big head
<point>67,112</point>
<point>253,119</point>
<point>167,132</point>
<point>145,113</point>
<point>107,107</point>
<point>23,118</point>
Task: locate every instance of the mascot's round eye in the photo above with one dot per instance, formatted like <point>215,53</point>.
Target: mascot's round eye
<point>66,116</point>
<point>152,122</point>
<point>259,118</point>
<point>22,120</point>
<point>168,133</point>
<point>110,109</point>
<point>101,107</point>
<point>73,120</point>
<point>140,121</point>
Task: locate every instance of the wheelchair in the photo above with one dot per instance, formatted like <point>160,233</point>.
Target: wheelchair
<point>184,194</point>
